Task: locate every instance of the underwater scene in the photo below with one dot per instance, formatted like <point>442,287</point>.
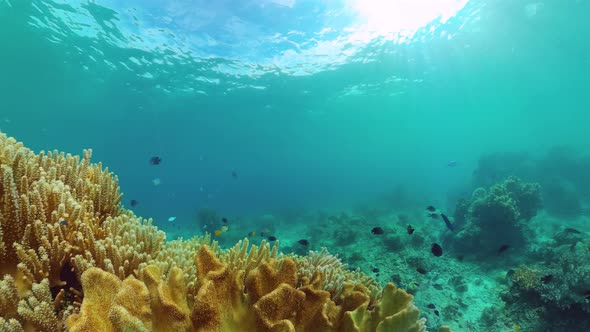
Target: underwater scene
<point>295,165</point>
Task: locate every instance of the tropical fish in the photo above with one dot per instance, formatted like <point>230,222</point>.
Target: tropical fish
<point>410,229</point>
<point>377,230</point>
<point>431,208</point>
<point>431,306</point>
<point>571,230</point>
<point>503,248</point>
<point>436,250</point>
<point>421,270</point>
<point>272,238</point>
<point>133,202</point>
<point>155,160</point>
<point>171,219</point>
<point>63,222</point>
<point>303,242</point>
<point>156,181</point>
<point>447,222</point>
<point>433,215</point>
<point>218,232</point>
<point>547,278</point>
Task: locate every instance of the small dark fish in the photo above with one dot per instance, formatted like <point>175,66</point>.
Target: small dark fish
<point>433,215</point>
<point>438,286</point>
<point>272,238</point>
<point>377,230</point>
<point>234,174</point>
<point>155,160</point>
<point>431,208</point>
<point>436,312</point>
<point>375,270</point>
<point>547,279</point>
<point>587,295</point>
<point>63,222</point>
<point>503,248</point>
<point>224,220</point>
<point>510,273</point>
<point>572,230</point>
<point>421,270</point>
<point>448,222</point>
<point>460,258</point>
<point>431,306</point>
<point>134,202</point>
<point>436,250</point>
<point>411,229</point>
<point>303,242</point>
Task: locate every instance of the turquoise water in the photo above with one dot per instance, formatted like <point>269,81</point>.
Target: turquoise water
<point>315,105</point>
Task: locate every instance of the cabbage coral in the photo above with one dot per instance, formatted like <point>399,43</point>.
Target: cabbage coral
<point>72,257</point>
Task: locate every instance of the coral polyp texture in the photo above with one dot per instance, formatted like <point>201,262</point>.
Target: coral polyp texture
<point>73,259</point>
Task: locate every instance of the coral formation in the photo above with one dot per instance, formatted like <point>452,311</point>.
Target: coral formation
<point>269,297</point>
<point>554,290</point>
<point>72,257</point>
<point>492,216</point>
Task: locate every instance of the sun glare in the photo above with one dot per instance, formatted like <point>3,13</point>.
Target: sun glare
<point>404,17</point>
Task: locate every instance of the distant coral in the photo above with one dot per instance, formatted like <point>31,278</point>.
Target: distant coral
<point>492,216</point>
<point>557,289</point>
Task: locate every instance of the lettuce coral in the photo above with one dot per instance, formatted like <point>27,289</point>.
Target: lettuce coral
<point>73,258</point>
<point>269,298</point>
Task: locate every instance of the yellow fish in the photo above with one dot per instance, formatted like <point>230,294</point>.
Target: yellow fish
<point>252,233</point>
<point>218,232</point>
<point>516,327</point>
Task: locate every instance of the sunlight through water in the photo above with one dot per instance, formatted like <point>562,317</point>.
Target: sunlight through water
<point>403,18</point>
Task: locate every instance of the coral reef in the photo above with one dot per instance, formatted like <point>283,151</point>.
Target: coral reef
<point>555,290</point>
<point>561,171</point>
<point>491,218</point>
<point>72,257</point>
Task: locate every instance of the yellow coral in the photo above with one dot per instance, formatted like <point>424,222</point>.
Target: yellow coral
<point>53,206</point>
<point>268,298</point>
<point>526,278</point>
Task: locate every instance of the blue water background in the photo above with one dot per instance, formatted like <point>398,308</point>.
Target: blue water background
<point>133,79</point>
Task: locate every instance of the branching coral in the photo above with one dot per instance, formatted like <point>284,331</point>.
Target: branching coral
<point>526,278</point>
<point>35,311</point>
<point>53,205</point>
